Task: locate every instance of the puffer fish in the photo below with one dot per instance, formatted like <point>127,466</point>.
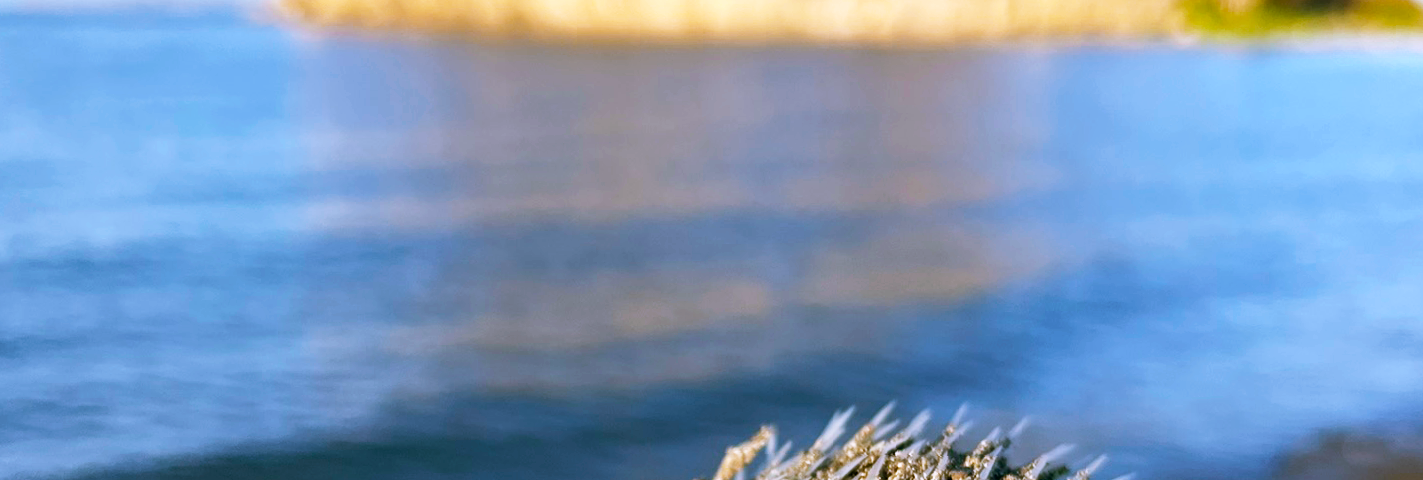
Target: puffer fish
<point>881,451</point>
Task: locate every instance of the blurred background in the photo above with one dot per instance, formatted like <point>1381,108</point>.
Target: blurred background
<point>232,250</point>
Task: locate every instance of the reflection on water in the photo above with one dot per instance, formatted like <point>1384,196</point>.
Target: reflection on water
<point>1353,456</point>
<point>615,218</point>
<point>387,258</point>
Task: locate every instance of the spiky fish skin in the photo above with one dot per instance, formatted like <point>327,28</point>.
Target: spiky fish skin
<point>739,456</point>
<point>902,456</point>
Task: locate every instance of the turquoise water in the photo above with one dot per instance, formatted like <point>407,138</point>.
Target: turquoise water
<point>231,251</point>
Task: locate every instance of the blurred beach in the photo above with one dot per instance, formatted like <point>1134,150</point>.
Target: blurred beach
<point>874,22</point>
<point>228,250</point>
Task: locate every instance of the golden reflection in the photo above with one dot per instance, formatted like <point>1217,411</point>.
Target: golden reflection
<point>606,307</point>
<point>910,263</point>
<point>638,217</point>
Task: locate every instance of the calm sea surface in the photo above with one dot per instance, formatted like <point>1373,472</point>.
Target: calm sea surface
<point>228,251</point>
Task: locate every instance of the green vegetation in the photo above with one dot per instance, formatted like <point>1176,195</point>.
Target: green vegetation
<point>1287,17</point>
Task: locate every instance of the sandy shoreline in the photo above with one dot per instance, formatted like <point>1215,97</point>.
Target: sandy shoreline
<point>890,22</point>
<point>918,25</point>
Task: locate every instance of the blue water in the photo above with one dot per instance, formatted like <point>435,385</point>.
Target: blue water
<point>233,251</point>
